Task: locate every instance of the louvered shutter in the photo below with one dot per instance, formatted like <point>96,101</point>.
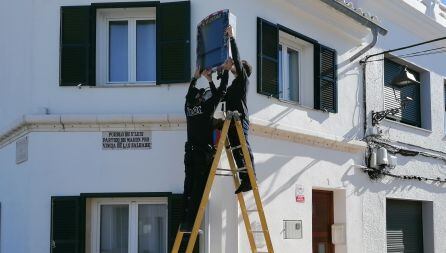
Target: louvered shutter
<point>404,226</point>
<point>412,113</point>
<point>173,42</point>
<point>176,208</point>
<point>66,234</point>
<point>75,46</point>
<point>444,95</point>
<point>267,58</point>
<point>325,79</point>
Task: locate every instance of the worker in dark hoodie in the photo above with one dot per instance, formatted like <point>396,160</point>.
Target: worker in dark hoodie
<point>199,152</point>
<point>236,101</point>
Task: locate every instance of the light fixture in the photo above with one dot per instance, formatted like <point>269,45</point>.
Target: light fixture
<point>403,79</point>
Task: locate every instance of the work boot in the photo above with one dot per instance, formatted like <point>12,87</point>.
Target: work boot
<point>245,186</point>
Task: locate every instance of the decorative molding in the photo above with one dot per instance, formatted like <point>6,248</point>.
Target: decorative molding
<point>166,122</point>
<point>406,15</point>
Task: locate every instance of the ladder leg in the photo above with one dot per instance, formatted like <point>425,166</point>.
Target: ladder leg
<point>241,201</point>
<point>255,190</point>
<point>207,189</point>
<point>177,243</point>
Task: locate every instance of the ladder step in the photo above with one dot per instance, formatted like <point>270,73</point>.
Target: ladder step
<point>258,231</point>
<point>241,170</point>
<point>234,148</point>
<point>252,211</point>
<point>223,174</point>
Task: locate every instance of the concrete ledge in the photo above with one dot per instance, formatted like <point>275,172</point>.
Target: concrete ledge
<point>275,131</point>
<point>97,123</point>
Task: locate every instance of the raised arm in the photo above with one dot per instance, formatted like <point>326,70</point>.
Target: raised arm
<point>193,82</point>
<point>235,52</point>
<point>217,94</point>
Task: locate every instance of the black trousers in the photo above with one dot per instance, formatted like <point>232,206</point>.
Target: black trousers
<point>197,163</point>
<point>237,153</point>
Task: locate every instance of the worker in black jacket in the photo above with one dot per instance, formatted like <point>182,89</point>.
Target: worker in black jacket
<point>236,101</point>
<point>199,152</point>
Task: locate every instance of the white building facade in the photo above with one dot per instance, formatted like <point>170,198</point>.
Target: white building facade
<point>75,73</point>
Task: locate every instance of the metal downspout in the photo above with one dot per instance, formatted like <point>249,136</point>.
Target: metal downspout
<point>368,47</point>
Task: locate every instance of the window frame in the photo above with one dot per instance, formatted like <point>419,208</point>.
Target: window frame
<point>305,51</point>
<point>131,15</point>
<point>418,72</point>
<point>132,202</point>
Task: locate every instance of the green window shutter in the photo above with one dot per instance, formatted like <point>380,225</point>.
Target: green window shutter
<point>444,95</point>
<point>412,113</point>
<point>76,47</point>
<point>325,79</point>
<point>267,58</point>
<point>173,42</point>
<point>176,208</point>
<point>66,225</point>
<point>404,226</point>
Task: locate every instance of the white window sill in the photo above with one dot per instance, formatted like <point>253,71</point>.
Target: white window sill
<point>423,130</point>
<point>296,104</point>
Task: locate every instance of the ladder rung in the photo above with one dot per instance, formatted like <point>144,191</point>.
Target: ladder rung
<point>241,170</point>
<point>258,231</point>
<point>223,174</point>
<point>252,210</point>
<point>234,148</point>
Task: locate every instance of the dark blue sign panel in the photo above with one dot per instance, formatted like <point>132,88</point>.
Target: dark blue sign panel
<point>212,43</point>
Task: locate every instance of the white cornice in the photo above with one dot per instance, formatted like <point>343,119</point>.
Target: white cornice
<point>164,122</point>
<point>407,16</point>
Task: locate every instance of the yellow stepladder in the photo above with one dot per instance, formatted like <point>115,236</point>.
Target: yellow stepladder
<point>223,143</point>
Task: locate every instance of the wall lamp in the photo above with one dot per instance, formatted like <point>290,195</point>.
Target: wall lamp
<point>403,79</point>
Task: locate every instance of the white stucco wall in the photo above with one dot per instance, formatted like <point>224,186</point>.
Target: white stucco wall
<point>69,163</point>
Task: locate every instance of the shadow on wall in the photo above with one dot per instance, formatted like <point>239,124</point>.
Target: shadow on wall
<point>362,184</point>
<point>282,155</point>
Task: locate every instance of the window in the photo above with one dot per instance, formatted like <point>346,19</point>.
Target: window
<point>294,67</point>
<point>126,43</point>
<point>409,226</point>
<point>129,225</point>
<point>126,46</point>
<point>393,96</point>
<point>444,95</point>
<point>118,222</point>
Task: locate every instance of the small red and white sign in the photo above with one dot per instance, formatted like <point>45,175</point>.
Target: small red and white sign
<point>300,198</point>
<point>299,193</point>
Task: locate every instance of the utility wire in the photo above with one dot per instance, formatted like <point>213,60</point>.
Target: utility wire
<point>402,48</point>
<point>429,50</point>
<point>411,55</point>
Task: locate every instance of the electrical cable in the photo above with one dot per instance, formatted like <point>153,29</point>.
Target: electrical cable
<point>411,55</point>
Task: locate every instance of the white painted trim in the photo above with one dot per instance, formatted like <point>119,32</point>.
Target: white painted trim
<point>306,68</point>
<point>406,15</point>
<point>104,16</point>
<point>133,216</point>
<point>166,122</point>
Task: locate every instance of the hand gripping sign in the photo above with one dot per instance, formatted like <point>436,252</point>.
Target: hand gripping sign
<point>213,47</point>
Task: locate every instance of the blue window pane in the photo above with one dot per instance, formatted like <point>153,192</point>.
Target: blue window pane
<point>114,229</point>
<point>118,51</point>
<point>145,50</point>
<point>152,224</point>
<point>293,77</point>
